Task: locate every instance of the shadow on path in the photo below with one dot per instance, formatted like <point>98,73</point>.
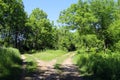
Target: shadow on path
<point>64,73</point>
<point>46,71</point>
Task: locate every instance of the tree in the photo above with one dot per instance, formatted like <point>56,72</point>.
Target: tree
<point>91,17</point>
<point>12,20</point>
<point>65,39</point>
<point>41,29</point>
<point>3,8</point>
<point>104,11</point>
<point>79,16</point>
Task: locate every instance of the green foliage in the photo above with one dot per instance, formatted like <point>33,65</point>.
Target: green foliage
<point>104,11</point>
<point>37,32</point>
<point>65,39</point>
<point>13,18</point>
<point>114,34</point>
<point>31,68</point>
<point>57,66</point>
<point>78,16</point>
<point>114,29</point>
<point>10,64</point>
<point>91,26</point>
<point>40,34</point>
<point>101,66</point>
<point>92,17</point>
<point>91,41</point>
<point>117,46</point>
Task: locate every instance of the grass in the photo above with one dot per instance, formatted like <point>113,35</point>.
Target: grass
<point>31,68</point>
<point>57,66</point>
<point>62,58</point>
<point>76,58</point>
<point>48,55</point>
<point>10,64</point>
<point>100,66</point>
<point>45,55</point>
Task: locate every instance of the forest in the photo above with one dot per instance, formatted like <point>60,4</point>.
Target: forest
<point>89,34</point>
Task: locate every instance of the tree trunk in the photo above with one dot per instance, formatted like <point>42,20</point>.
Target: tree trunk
<point>16,41</point>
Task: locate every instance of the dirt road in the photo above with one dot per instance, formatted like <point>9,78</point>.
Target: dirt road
<point>46,70</point>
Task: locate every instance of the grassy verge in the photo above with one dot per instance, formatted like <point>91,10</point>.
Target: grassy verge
<point>10,64</point>
<point>76,58</point>
<point>100,66</point>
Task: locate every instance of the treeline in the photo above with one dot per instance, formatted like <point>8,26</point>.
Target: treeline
<point>89,24</point>
<point>28,32</point>
<point>96,22</point>
<point>21,31</point>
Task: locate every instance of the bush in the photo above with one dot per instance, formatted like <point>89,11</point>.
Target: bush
<point>101,66</point>
<point>90,42</point>
<point>117,46</point>
<point>10,64</point>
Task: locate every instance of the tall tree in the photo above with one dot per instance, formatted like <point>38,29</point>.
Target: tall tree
<point>78,16</point>
<point>41,29</point>
<point>13,19</point>
<point>104,11</point>
<point>91,16</point>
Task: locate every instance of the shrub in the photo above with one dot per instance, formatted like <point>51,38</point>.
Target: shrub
<point>91,43</point>
<point>101,66</point>
<point>10,64</point>
<point>117,46</point>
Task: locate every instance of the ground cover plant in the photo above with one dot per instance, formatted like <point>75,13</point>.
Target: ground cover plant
<point>10,64</point>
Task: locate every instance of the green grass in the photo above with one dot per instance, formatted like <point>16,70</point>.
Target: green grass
<point>31,68</point>
<point>45,55</point>
<point>10,64</point>
<point>57,66</point>
<point>62,58</point>
<point>76,58</point>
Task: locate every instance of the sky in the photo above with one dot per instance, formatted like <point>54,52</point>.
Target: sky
<point>51,7</point>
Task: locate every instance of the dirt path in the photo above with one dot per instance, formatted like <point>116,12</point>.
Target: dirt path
<point>67,71</point>
<point>70,70</point>
<point>46,70</point>
<point>23,67</point>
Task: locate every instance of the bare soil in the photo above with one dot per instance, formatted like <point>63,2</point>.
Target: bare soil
<point>46,70</point>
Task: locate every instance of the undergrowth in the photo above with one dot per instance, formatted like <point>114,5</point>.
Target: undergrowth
<point>10,64</point>
<point>99,65</point>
